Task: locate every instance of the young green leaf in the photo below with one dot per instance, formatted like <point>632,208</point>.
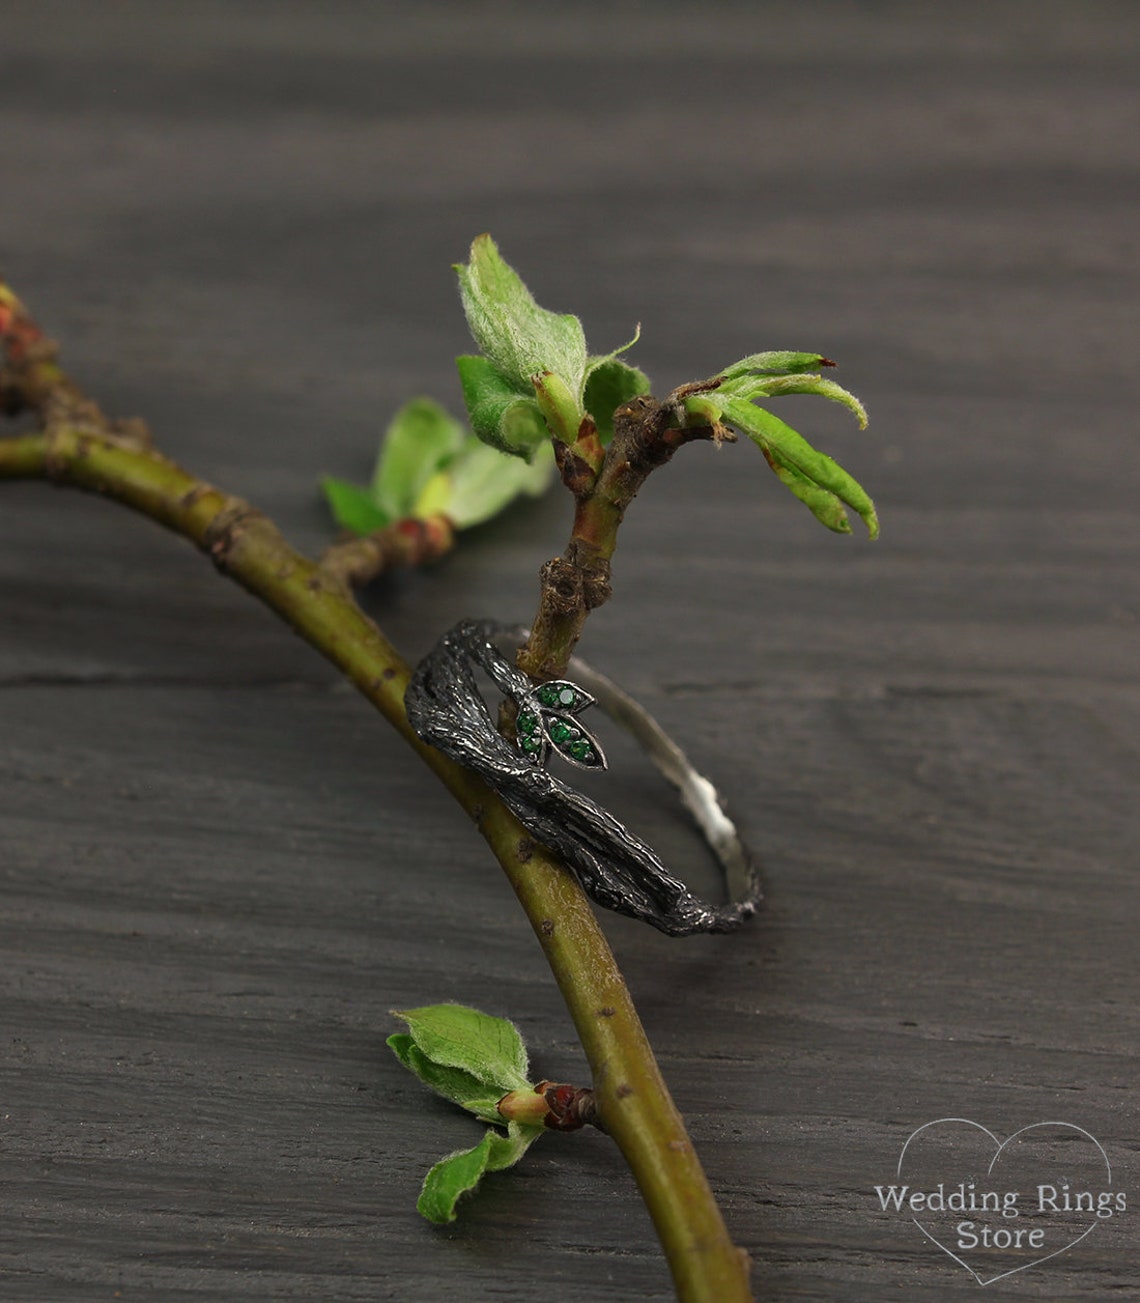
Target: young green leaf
<point>482,481</point>
<point>487,1048</point>
<point>596,361</point>
<point>353,507</point>
<point>428,466</point>
<point>561,408</point>
<point>610,383</point>
<point>461,1172</point>
<point>452,1083</point>
<point>434,499</point>
<point>512,331</point>
<point>500,415</point>
<point>777,386</point>
<point>775,363</point>
<point>793,451</point>
<point>822,503</point>
<point>421,438</point>
<point>703,409</point>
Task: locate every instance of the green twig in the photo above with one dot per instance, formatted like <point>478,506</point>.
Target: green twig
<point>646,435</point>
<point>78,447</point>
<point>409,542</point>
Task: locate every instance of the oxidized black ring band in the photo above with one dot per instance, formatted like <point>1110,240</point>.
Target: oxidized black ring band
<point>616,868</point>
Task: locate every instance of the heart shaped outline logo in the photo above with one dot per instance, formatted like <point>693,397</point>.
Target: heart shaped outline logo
<point>999,1147</point>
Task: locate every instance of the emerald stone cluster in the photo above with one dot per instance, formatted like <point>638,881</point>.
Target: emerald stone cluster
<point>530,733</point>
<point>563,696</point>
<point>546,719</point>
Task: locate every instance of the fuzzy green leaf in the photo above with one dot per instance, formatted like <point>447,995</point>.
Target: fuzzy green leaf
<point>434,499</point>
<point>777,386</point>
<point>793,451</point>
<point>352,506</point>
<point>452,1083</point>
<point>512,331</point>
<point>610,384</point>
<point>822,503</point>
<point>702,409</point>
<point>775,363</point>
<point>461,1172</point>
<point>451,1178</point>
<point>419,440</point>
<point>500,415</point>
<point>454,1036</point>
<point>483,482</point>
<point>560,408</point>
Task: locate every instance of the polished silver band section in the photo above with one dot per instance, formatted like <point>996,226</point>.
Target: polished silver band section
<point>616,868</point>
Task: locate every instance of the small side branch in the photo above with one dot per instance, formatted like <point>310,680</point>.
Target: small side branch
<point>647,433</point>
<point>412,542</point>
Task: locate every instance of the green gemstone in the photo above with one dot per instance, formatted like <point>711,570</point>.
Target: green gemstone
<point>548,694</point>
<point>531,744</point>
<point>527,723</point>
<point>560,732</point>
<point>581,751</point>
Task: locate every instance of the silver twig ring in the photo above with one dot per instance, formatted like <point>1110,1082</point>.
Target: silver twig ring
<point>616,868</point>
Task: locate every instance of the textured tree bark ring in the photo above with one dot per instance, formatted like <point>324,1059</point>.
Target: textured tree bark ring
<point>616,868</point>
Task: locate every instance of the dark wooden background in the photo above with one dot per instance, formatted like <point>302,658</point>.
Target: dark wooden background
<point>219,870</point>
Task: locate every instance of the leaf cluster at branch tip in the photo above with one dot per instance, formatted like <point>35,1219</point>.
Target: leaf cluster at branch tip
<point>820,483</point>
<point>472,1059</point>
<point>534,385</point>
<point>429,465</point>
<point>534,379</point>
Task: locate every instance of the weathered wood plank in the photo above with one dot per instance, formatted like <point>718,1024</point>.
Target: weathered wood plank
<point>217,870</point>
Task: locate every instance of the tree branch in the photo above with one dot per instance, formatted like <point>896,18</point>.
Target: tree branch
<point>646,435</point>
<point>79,447</point>
<point>410,542</point>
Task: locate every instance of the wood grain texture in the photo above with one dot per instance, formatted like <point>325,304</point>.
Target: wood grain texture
<point>218,871</point>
